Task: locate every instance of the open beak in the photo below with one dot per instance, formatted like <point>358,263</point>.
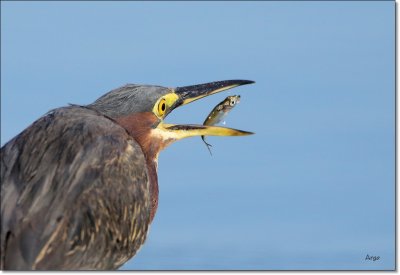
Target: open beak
<point>189,94</point>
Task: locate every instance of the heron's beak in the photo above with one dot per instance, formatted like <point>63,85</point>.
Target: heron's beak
<point>189,94</point>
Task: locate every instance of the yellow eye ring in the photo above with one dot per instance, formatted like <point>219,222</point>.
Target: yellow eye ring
<point>162,107</point>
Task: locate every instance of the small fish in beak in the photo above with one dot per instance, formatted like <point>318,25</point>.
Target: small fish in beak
<point>219,113</point>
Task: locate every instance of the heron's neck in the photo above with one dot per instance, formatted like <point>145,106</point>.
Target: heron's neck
<point>140,127</point>
<point>152,170</point>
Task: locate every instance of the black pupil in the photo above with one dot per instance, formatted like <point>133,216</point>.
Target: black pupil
<point>163,107</point>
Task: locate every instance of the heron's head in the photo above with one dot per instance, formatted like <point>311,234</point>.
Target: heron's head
<point>141,110</point>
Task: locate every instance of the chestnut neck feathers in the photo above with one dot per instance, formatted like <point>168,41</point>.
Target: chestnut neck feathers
<point>140,126</point>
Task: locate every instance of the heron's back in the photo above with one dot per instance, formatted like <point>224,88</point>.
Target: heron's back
<point>74,194</point>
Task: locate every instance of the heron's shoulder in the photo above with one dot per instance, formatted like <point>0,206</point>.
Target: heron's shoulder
<point>75,121</point>
<point>62,137</point>
<point>82,114</point>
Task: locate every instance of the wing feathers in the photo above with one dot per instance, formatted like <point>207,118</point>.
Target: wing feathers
<point>71,185</point>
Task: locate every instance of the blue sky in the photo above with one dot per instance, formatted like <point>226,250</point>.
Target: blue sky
<point>312,189</point>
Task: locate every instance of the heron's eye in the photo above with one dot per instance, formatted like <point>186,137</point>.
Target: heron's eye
<point>162,107</point>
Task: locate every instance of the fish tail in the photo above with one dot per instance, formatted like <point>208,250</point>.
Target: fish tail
<point>208,147</point>
<point>207,144</point>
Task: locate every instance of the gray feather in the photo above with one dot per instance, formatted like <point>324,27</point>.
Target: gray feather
<point>124,100</point>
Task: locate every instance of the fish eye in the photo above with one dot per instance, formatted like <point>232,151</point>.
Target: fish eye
<point>232,102</point>
<point>162,107</point>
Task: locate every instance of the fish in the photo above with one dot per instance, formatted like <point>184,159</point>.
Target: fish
<point>219,113</point>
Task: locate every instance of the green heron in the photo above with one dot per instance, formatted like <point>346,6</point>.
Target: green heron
<point>79,186</point>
